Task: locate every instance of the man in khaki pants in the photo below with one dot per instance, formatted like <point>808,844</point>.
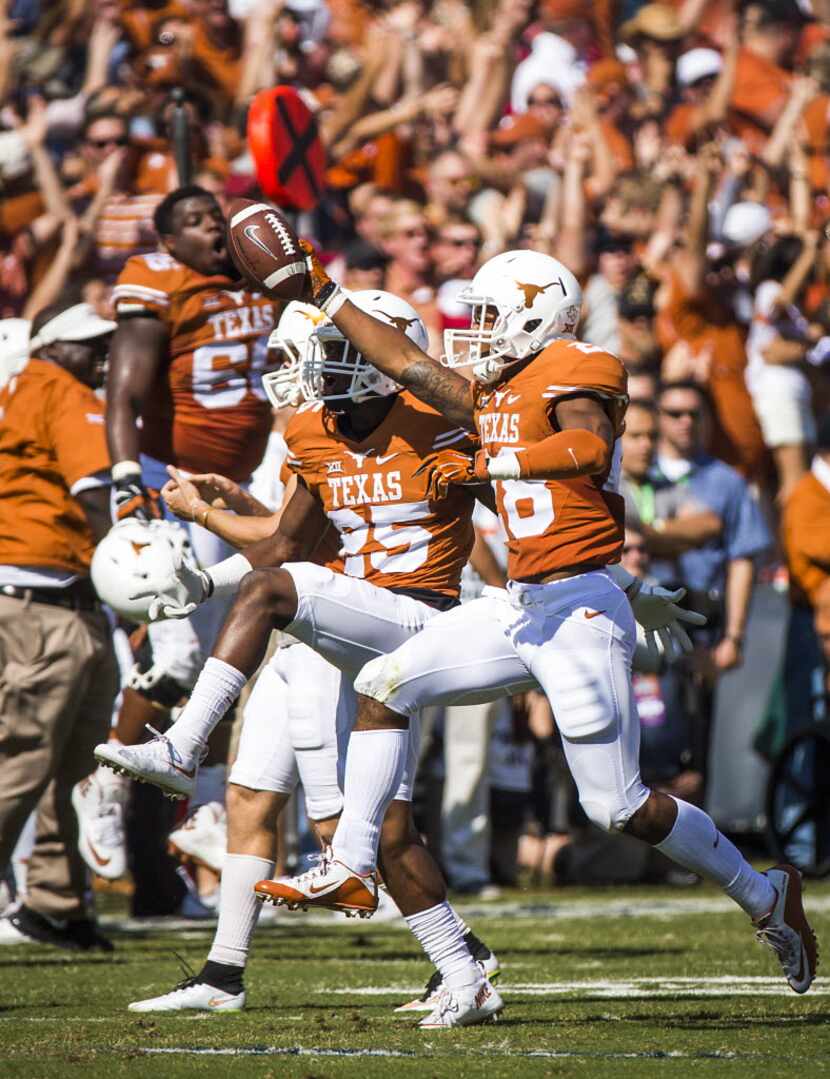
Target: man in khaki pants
<point>58,677</point>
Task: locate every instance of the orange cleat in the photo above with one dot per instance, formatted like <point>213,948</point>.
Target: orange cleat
<point>330,885</point>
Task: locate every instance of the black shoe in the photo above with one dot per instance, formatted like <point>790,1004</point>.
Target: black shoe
<point>81,935</point>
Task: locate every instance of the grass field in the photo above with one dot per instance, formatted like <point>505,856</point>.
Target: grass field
<point>629,982</point>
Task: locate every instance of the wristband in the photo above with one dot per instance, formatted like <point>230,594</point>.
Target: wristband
<point>330,298</point>
<point>225,576</point>
<point>204,515</point>
<point>125,470</point>
<point>505,466</point>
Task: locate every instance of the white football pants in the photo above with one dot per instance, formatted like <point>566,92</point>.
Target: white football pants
<point>574,637</point>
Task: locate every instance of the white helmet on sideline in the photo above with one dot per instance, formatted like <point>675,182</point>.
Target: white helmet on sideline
<point>137,556</point>
<point>536,300</point>
<point>290,336</point>
<point>330,354</point>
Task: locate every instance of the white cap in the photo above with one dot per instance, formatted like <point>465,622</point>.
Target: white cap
<point>78,323</point>
<point>698,64</point>
<point>552,62</point>
<point>14,347</point>
<point>745,222</point>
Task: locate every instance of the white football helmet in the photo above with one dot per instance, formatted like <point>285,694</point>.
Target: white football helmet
<point>536,300</point>
<point>136,556</point>
<point>290,336</point>
<point>330,354</point>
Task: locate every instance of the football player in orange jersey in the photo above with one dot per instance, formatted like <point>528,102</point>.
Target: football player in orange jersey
<point>184,389</point>
<point>358,454</point>
<point>184,384</point>
<point>549,411</point>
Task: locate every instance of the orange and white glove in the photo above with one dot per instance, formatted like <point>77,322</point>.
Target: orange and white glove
<point>450,468</point>
<point>323,292</point>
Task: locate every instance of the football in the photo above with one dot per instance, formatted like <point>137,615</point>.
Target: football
<point>265,249</point>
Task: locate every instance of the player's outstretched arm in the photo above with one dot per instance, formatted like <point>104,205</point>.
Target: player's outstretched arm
<point>195,498</point>
<point>391,351</point>
<point>302,524</point>
<point>301,528</point>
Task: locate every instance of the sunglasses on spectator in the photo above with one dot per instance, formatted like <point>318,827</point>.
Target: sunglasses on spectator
<point>459,241</point>
<point>552,100</point>
<point>679,413</point>
<point>110,140</point>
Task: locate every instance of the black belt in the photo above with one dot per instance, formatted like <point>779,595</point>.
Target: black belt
<point>437,600</point>
<point>79,596</point>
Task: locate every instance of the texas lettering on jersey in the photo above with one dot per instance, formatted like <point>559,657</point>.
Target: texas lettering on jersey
<point>390,532</point>
<point>207,411</point>
<point>555,524</point>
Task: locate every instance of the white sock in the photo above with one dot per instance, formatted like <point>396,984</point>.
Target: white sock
<point>439,934</point>
<point>217,687</point>
<point>462,925</point>
<point>238,907</point>
<point>375,763</point>
<point>695,843</point>
<point>210,787</point>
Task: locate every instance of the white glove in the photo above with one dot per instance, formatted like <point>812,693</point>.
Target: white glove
<point>656,610</point>
<point>179,596</point>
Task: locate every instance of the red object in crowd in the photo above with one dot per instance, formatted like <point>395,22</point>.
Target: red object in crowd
<point>286,148</point>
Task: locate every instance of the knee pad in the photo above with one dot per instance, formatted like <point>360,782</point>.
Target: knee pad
<point>612,813</point>
<point>378,679</point>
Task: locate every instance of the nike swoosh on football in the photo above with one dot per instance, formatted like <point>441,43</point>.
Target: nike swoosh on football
<point>251,232</point>
<point>593,614</point>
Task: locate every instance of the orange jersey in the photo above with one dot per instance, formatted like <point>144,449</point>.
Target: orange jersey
<point>391,534</point>
<point>52,437</point>
<point>207,411</point>
<point>555,524</point>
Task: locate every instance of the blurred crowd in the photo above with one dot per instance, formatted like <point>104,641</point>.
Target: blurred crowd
<point>675,156</point>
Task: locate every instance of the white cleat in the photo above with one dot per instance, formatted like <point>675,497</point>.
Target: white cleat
<point>786,930</point>
<point>428,1000</point>
<point>99,802</point>
<point>464,1008</point>
<point>156,762</point>
<point>202,837</point>
<point>192,995</point>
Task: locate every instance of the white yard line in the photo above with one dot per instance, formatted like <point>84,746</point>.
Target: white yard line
<point>668,907</point>
<point>464,1054</point>
<point>619,989</point>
